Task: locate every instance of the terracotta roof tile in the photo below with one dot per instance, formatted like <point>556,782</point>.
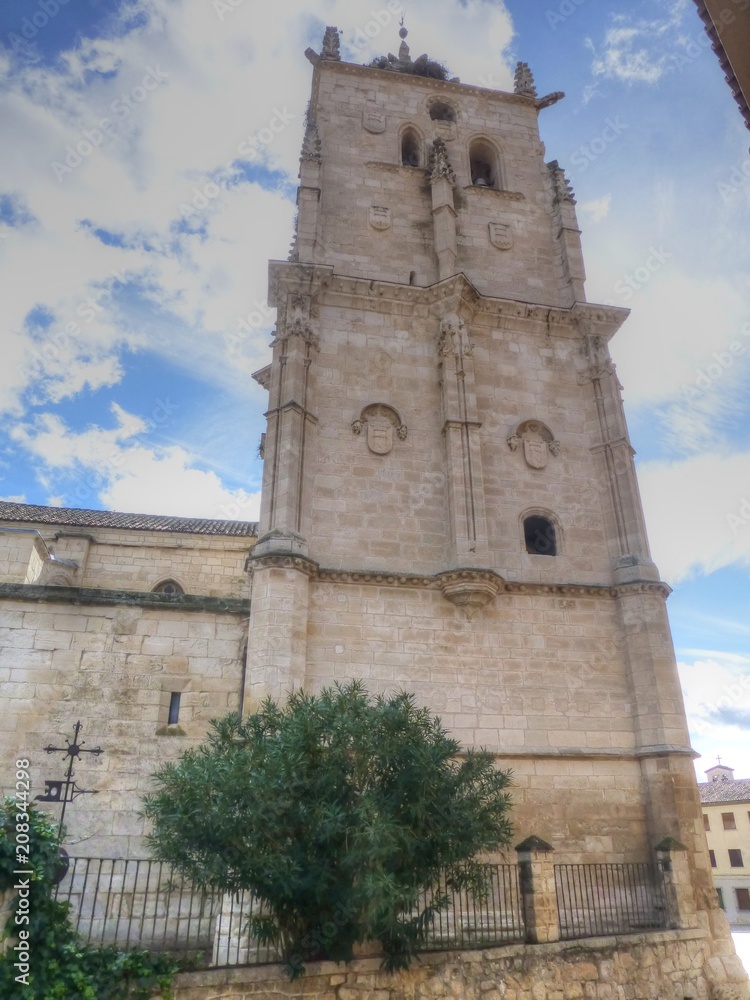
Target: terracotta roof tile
<point>67,516</point>
<point>724,790</point>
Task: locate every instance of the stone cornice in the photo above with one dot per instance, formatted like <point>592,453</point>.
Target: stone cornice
<point>286,277</point>
<point>454,294</point>
<point>439,581</point>
<point>426,83</point>
<point>593,753</point>
<point>88,596</point>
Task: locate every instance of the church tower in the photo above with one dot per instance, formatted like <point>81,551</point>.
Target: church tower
<point>450,504</point>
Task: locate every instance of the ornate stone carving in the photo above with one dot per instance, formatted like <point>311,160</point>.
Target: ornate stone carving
<point>560,183</point>
<point>440,163</point>
<point>373,121</point>
<point>524,81</point>
<point>470,589</point>
<point>599,361</point>
<point>454,337</point>
<point>501,235</point>
<point>447,131</point>
<point>380,421</point>
<point>299,312</point>
<point>331,45</point>
<point>537,440</point>
<point>379,217</point>
<point>311,144</point>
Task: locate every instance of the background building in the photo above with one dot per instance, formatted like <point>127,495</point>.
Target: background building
<point>726,820</point>
<point>728,27</point>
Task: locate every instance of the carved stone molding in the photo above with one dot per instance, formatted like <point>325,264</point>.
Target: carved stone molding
<point>469,589</point>
<point>380,421</point>
<point>283,560</point>
<point>487,581</point>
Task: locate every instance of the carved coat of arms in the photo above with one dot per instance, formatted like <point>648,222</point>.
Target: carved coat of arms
<point>380,218</point>
<point>380,421</point>
<point>535,451</point>
<point>538,443</point>
<point>374,121</point>
<point>501,235</point>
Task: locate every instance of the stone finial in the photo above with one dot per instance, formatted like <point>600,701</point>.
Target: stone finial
<point>311,144</point>
<point>331,45</point>
<point>524,81</point>
<point>562,186</point>
<point>404,51</point>
<point>441,165</point>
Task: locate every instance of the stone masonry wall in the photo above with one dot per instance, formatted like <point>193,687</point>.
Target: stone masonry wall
<point>114,669</point>
<point>134,560</point>
<point>362,169</point>
<point>673,965</point>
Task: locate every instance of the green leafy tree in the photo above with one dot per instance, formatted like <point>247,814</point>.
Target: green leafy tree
<point>61,965</point>
<point>341,813</point>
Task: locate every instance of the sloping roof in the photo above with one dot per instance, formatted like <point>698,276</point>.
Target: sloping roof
<point>724,791</point>
<point>731,48</point>
<point>67,516</point>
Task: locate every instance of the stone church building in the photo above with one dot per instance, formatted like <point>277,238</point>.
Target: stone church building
<point>449,507</point>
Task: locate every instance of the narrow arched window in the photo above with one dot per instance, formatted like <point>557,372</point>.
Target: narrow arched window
<point>540,536</point>
<point>410,151</point>
<point>170,587</point>
<point>484,165</point>
<point>440,112</point>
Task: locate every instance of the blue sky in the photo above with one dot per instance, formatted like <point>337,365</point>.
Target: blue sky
<point>151,174</point>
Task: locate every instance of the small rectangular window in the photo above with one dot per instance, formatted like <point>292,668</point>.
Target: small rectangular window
<point>720,894</point>
<point>174,709</point>
<point>712,856</point>
<point>743,899</point>
<point>735,858</point>
<point>728,820</point>
<point>706,823</point>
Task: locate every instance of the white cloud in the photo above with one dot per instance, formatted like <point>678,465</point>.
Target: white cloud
<point>115,467</point>
<point>698,512</point>
<point>633,51</point>
<point>717,702</point>
<point>597,209</point>
<point>222,79</point>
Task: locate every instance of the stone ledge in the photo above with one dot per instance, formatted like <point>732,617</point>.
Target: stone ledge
<point>131,598</point>
<point>246,975</point>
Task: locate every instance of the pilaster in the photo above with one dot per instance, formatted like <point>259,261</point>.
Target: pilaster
<point>468,520</point>
<point>442,184</point>
<point>277,633</point>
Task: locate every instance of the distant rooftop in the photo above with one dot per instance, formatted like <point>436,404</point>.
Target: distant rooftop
<point>74,517</point>
<point>724,790</point>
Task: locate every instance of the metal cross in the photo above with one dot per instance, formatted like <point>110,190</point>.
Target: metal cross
<point>67,790</point>
<point>719,759</point>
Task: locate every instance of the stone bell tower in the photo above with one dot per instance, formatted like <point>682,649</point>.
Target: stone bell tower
<point>450,504</point>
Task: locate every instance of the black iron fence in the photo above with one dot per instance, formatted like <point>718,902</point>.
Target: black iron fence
<point>480,922</point>
<point>594,899</point>
<point>146,904</point>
